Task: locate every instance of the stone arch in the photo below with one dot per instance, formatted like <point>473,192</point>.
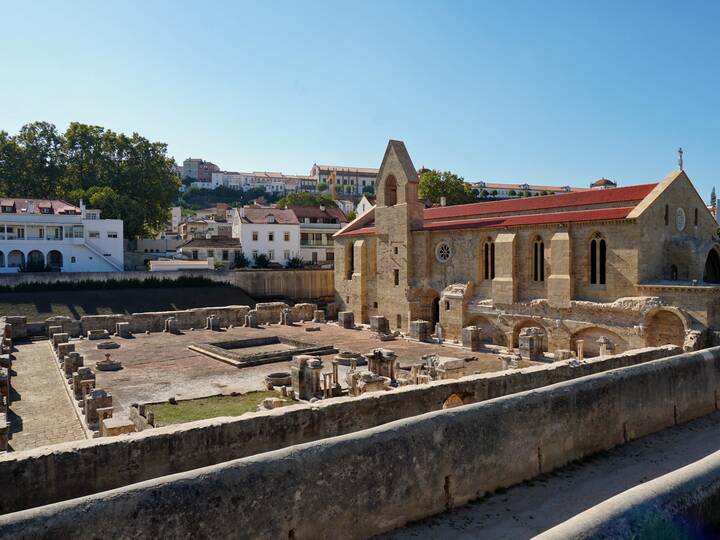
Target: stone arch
<point>35,261</point>
<point>665,326</point>
<point>16,259</point>
<point>489,332</point>
<point>390,190</point>
<point>457,399</point>
<point>591,334</point>
<point>55,259</point>
<point>529,323</point>
<point>711,273</point>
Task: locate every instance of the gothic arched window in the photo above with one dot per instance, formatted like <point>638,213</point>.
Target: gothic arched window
<point>538,259</point>
<point>598,260</point>
<point>489,259</point>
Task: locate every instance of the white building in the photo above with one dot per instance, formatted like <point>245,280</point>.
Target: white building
<point>38,234</point>
<point>365,204</point>
<point>272,182</point>
<point>348,180</point>
<point>317,227</point>
<point>270,231</point>
<point>505,191</point>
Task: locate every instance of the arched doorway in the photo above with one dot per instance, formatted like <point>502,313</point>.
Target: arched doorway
<point>16,259</point>
<point>35,261</point>
<point>435,312</point>
<point>530,324</point>
<point>590,336</point>
<point>665,328</point>
<point>489,332</point>
<point>55,260</point>
<point>712,267</point>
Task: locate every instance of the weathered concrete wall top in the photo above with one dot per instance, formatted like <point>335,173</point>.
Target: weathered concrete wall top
<point>74,469</point>
<point>378,479</point>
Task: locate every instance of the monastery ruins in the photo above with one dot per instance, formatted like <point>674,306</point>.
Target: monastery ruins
<point>453,354</point>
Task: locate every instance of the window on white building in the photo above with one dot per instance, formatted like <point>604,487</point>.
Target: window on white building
<point>287,236</point>
<point>254,253</point>
<point>254,236</point>
<point>271,254</point>
<point>112,234</point>
<point>211,252</point>
<point>271,237</point>
<point>94,234</point>
<point>286,254</point>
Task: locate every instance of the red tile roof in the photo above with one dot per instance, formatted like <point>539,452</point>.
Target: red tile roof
<point>260,215</point>
<point>58,206</point>
<point>545,202</point>
<point>316,212</point>
<point>575,216</point>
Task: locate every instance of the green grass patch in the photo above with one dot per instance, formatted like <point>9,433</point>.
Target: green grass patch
<point>190,410</point>
<point>38,306</point>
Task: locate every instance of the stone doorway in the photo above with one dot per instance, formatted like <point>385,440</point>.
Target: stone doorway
<point>435,312</point>
<point>665,328</point>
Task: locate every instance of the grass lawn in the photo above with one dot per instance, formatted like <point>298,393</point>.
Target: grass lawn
<point>210,407</point>
<point>37,306</point>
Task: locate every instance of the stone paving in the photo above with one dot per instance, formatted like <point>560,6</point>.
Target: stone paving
<point>41,410</point>
<point>158,366</point>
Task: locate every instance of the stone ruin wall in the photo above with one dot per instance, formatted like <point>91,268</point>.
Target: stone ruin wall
<point>74,469</point>
<point>384,477</point>
<point>154,321</point>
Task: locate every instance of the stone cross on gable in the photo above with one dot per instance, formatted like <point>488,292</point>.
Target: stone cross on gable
<point>680,158</point>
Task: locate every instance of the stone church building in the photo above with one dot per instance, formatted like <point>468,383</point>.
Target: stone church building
<point>639,265</point>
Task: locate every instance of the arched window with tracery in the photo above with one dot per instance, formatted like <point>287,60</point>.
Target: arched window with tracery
<point>538,259</point>
<point>489,259</point>
<point>598,260</point>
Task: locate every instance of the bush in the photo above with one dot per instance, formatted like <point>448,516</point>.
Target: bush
<point>241,261</point>
<point>295,262</point>
<point>261,261</point>
<point>86,284</point>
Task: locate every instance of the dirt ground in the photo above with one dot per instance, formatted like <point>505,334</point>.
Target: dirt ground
<point>158,366</point>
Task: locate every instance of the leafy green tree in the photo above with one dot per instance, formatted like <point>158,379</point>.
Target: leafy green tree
<point>713,197</point>
<point>305,199</point>
<point>436,184</point>
<point>261,260</point>
<point>512,193</point>
<point>352,215</point>
<point>494,193</point>
<point>368,190</point>
<point>484,194</point>
<point>128,177</point>
<point>241,261</point>
<point>321,186</point>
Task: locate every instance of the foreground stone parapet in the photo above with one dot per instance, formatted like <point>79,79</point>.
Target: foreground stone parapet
<point>419,330</point>
<point>346,319</point>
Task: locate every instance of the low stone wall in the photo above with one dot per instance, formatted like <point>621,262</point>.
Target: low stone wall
<point>685,500</point>
<point>372,481</point>
<point>70,470</point>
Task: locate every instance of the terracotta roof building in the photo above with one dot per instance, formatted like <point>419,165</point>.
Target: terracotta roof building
<point>633,266</point>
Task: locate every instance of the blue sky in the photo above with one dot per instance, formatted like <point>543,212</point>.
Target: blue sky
<point>555,92</point>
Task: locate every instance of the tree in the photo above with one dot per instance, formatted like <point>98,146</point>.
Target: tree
<point>305,199</point>
<point>352,215</point>
<point>713,197</point>
<point>368,190</point>
<point>128,177</point>
<point>241,261</point>
<point>294,262</point>
<point>512,193</point>
<point>322,186</point>
<point>261,260</point>
<point>436,184</point>
<point>484,194</point>
<point>494,193</point>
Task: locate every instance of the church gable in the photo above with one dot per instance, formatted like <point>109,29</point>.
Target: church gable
<point>396,174</point>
